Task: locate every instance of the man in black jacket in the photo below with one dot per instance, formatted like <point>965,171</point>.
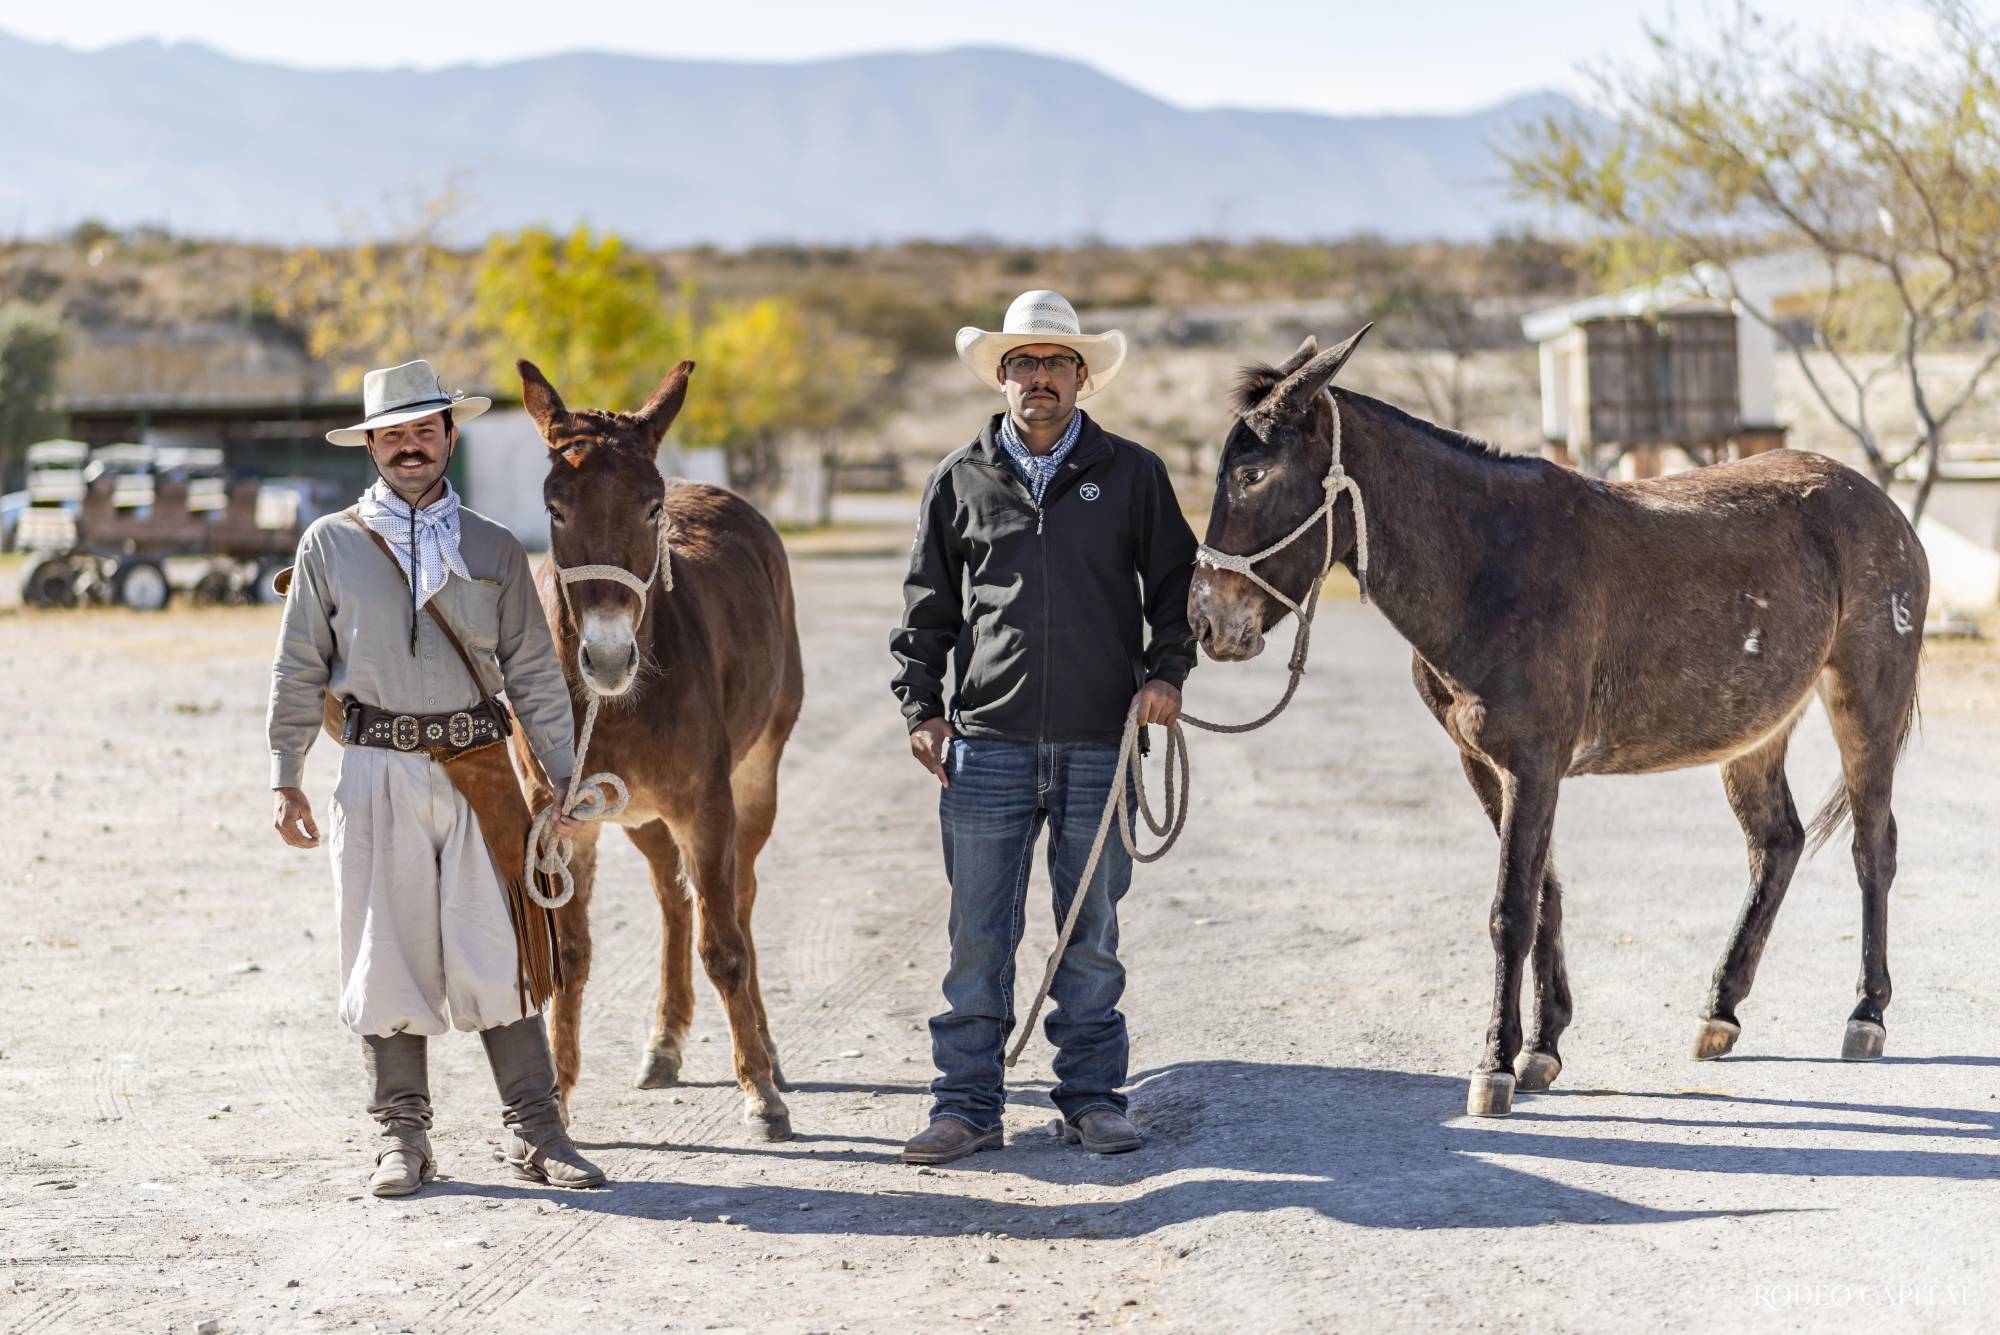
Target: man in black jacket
<point>1045,552</point>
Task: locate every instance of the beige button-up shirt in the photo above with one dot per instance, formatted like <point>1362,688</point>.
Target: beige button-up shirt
<point>347,629</point>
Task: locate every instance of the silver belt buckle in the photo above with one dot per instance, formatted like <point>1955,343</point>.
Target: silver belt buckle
<point>459,733</point>
<point>403,733</point>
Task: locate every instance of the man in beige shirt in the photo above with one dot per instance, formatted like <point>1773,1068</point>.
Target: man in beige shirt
<point>426,940</point>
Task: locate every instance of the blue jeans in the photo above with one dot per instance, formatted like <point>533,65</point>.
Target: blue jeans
<point>1002,793</point>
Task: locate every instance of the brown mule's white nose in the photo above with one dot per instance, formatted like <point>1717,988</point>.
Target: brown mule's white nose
<point>609,654</point>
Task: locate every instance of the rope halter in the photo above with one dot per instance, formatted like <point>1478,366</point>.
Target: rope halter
<point>1337,480</point>
<point>603,795</point>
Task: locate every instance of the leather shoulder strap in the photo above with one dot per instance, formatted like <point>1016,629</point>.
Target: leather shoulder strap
<point>450,636</point>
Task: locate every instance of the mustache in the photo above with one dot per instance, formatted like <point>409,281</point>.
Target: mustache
<point>410,456</point>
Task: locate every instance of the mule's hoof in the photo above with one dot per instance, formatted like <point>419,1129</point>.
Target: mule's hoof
<point>1491,1094</point>
<point>771,1126</point>
<point>1536,1070</point>
<point>1715,1039</point>
<point>1863,1042</point>
<point>658,1070</point>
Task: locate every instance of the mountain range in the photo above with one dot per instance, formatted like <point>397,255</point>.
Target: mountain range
<point>968,143</point>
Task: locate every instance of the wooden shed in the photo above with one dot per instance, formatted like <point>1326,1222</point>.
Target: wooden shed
<point>1662,380</point>
<point>1628,377</point>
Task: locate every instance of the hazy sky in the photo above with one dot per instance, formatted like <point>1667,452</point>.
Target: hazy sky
<point>1320,55</point>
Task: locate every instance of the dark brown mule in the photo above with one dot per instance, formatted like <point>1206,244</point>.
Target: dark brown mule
<point>700,688</point>
<point>1564,625</point>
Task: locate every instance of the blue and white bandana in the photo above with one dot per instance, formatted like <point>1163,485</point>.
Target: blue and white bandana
<point>436,545</point>
<point>1039,469</point>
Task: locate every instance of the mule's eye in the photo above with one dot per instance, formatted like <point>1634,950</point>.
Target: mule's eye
<point>1250,477</point>
<point>654,514</point>
<point>555,515</point>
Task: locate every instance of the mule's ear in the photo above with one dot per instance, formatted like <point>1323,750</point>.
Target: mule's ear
<point>539,397</point>
<point>1296,391</point>
<point>665,405</point>
<point>1307,351</point>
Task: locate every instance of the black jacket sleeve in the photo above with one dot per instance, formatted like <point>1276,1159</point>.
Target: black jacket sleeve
<point>1166,568</point>
<point>933,613</point>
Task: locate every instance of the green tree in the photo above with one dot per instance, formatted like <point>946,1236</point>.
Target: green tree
<point>31,349</point>
<point>591,313</point>
<point>1884,168</point>
<point>584,308</point>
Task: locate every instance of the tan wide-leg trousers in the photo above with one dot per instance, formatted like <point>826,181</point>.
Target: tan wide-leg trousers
<point>425,941</point>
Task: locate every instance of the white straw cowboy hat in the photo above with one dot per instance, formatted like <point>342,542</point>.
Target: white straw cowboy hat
<point>1041,317</point>
<point>403,394</point>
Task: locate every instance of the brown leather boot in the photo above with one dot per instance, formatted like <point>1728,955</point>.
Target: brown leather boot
<point>537,1147</point>
<point>947,1139</point>
<point>403,1167</point>
<point>1102,1131</point>
<point>399,1071</point>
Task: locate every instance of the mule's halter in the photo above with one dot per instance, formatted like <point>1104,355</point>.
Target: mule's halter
<point>603,795</point>
<point>663,570</point>
<point>1337,480</point>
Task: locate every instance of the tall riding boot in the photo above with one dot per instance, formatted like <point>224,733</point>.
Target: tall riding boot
<point>399,1070</point>
<point>537,1147</point>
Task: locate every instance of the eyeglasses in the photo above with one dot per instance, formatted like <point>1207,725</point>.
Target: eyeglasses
<point>1021,366</point>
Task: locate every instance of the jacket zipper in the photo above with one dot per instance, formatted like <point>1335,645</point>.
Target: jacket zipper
<point>1042,555</point>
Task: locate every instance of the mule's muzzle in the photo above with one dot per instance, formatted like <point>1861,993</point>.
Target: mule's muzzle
<point>609,657</point>
<point>1229,643</point>
<point>1230,628</point>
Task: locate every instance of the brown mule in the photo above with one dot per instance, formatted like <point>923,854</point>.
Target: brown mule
<point>701,684</point>
<point>1563,625</point>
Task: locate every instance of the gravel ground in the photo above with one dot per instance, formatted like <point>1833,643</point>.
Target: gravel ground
<point>185,1136</point>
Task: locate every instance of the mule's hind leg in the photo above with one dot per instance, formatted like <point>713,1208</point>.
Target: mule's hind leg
<point>708,843</point>
<point>1539,1062</point>
<point>755,787</point>
<point>573,950</point>
<point>673,1009</point>
<point>1762,801</point>
<point>1870,694</point>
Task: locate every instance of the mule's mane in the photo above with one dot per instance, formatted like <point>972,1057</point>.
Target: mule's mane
<point>1255,382</point>
<point>582,429</point>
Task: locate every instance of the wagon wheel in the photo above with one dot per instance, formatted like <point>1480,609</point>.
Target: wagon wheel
<point>140,586</point>
<point>215,589</point>
<point>50,582</point>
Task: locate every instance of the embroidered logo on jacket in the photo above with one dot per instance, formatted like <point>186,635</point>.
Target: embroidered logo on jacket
<point>1090,491</point>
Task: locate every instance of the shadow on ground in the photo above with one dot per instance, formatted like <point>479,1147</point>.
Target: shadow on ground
<point>1377,1149</point>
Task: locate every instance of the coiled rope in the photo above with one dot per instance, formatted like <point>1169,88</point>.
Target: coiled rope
<point>1129,770</point>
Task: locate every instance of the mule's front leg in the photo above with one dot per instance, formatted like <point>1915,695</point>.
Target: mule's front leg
<point>1540,1064</point>
<point>1527,818</point>
<point>673,1008</point>
<point>573,950</point>
<point>708,845</point>
<point>1537,1067</point>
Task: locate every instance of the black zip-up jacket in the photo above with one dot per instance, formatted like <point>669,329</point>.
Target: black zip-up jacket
<point>1045,638</point>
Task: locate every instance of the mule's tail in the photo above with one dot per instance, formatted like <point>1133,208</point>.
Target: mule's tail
<point>1834,813</point>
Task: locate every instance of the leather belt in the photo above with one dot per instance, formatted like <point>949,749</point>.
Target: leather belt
<point>462,730</point>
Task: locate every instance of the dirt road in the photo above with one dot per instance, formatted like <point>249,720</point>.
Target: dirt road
<point>185,1139</point>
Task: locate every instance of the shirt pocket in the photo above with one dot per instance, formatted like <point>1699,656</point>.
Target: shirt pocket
<point>475,613</point>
